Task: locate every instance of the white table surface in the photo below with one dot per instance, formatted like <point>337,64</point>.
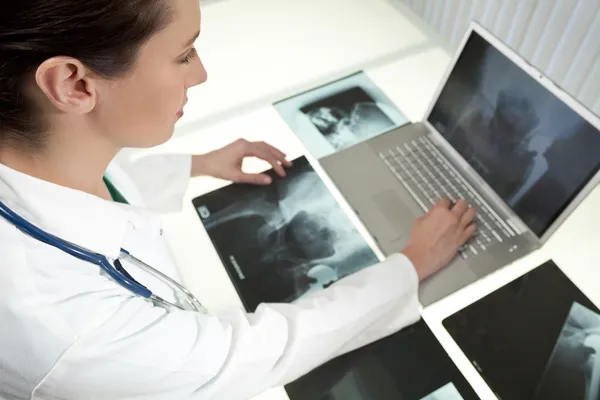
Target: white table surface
<point>296,45</point>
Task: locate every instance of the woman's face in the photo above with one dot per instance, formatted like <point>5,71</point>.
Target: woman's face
<point>141,108</point>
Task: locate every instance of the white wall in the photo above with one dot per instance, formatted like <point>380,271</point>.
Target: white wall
<point>560,37</point>
<point>260,51</point>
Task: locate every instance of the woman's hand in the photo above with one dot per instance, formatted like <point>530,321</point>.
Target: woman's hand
<point>436,237</point>
<point>226,163</point>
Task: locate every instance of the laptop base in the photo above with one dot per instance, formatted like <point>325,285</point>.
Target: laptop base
<point>388,211</point>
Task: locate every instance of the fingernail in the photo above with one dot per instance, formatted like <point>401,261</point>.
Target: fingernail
<point>267,179</point>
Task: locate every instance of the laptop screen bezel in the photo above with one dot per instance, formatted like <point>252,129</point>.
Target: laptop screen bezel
<point>538,76</point>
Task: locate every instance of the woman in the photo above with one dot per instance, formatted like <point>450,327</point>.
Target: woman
<point>78,82</point>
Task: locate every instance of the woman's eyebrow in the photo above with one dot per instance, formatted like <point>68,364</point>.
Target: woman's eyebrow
<point>191,41</point>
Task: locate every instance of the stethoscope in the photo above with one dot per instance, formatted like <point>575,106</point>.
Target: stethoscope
<point>184,299</point>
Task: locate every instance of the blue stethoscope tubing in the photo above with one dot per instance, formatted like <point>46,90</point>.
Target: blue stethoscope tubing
<point>86,255</point>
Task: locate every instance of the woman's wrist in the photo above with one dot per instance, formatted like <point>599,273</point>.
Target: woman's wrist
<point>199,165</point>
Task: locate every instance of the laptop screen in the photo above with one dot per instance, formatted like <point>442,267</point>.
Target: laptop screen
<point>535,151</point>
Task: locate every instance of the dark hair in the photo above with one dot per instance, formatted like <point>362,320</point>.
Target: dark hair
<point>105,35</point>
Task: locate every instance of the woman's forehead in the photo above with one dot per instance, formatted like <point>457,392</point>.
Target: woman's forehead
<point>184,26</point>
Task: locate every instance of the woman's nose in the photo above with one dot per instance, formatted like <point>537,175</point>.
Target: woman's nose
<point>198,74</point>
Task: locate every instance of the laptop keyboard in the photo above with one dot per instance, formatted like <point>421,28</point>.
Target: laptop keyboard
<point>429,177</point>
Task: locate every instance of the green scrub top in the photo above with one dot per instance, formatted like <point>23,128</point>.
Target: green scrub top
<point>114,193</point>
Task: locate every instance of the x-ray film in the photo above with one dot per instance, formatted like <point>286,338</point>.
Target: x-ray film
<point>409,365</point>
<point>340,114</point>
<point>285,240</point>
<point>536,338</point>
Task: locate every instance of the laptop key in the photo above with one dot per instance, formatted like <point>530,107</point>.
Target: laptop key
<point>429,178</point>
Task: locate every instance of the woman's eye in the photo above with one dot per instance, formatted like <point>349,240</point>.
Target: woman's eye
<point>190,56</point>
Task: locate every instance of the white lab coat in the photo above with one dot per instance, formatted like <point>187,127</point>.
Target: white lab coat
<point>69,332</point>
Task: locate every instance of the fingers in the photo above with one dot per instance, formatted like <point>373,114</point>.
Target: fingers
<point>460,207</point>
<point>253,179</point>
<point>467,218</point>
<point>463,217</point>
<point>443,204</point>
<point>264,154</point>
<point>276,166</point>
<point>269,154</point>
<point>466,215</point>
<point>279,155</point>
<point>467,233</point>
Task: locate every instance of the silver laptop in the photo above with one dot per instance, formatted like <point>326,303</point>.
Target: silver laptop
<point>497,133</point>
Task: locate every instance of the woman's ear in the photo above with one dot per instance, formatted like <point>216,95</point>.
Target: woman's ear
<point>67,84</point>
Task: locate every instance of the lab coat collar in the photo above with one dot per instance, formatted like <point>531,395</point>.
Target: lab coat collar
<point>72,215</point>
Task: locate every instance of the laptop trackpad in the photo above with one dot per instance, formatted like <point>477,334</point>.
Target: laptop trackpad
<point>394,214</point>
